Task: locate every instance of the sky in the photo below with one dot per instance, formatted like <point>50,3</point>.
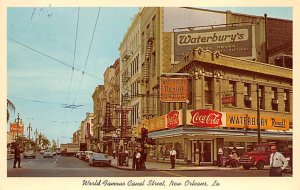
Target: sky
<point>40,56</point>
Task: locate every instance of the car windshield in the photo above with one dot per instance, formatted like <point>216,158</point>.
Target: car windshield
<point>100,156</point>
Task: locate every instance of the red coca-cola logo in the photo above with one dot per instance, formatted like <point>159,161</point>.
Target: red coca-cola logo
<point>173,119</point>
<point>206,118</point>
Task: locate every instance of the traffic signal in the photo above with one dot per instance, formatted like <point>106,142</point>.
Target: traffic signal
<point>144,133</point>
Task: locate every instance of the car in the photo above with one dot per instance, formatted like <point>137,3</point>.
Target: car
<point>82,155</point>
<point>88,153</point>
<point>48,153</point>
<point>29,153</point>
<point>99,159</point>
<point>78,153</point>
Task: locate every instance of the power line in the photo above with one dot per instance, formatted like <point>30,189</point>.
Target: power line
<point>50,57</point>
<point>99,9</point>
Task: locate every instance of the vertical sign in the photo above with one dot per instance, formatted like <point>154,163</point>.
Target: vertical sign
<point>123,122</point>
<point>107,122</point>
<point>173,89</point>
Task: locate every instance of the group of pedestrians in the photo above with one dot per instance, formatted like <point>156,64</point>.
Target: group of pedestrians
<point>139,158</point>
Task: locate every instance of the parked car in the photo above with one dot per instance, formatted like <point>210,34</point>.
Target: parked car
<point>48,153</point>
<point>78,153</point>
<point>99,159</point>
<point>29,153</point>
<point>88,154</point>
<point>82,155</point>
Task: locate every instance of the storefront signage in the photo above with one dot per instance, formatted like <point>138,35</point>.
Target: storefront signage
<point>157,123</point>
<point>233,41</point>
<point>250,121</point>
<point>173,89</point>
<point>15,128</point>
<point>173,119</point>
<point>206,118</point>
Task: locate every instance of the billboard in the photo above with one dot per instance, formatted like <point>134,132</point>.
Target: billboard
<point>173,89</point>
<point>15,128</point>
<point>236,41</point>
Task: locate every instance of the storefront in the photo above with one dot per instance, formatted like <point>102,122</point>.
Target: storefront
<point>197,142</point>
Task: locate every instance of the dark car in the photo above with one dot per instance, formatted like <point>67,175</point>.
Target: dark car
<point>99,159</point>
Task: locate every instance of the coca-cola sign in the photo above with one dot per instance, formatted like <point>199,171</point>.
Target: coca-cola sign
<point>173,119</point>
<point>206,118</point>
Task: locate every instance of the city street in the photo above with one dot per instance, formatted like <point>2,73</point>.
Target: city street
<point>73,167</point>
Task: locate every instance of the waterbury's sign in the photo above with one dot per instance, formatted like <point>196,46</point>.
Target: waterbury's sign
<point>233,41</point>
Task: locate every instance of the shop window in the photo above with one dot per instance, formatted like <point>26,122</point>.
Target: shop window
<point>208,90</point>
<point>179,149</point>
<point>261,95</point>
<point>274,101</point>
<point>286,97</point>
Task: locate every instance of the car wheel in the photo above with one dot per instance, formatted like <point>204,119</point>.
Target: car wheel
<point>246,167</point>
<point>260,165</point>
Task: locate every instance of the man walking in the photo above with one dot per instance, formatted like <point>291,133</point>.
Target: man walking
<point>173,157</point>
<point>17,156</point>
<point>277,162</point>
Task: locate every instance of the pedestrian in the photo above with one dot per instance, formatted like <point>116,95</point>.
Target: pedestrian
<point>126,158</point>
<point>219,157</point>
<point>114,153</point>
<point>134,158</point>
<point>277,162</point>
<point>17,157</point>
<point>138,159</point>
<point>144,158</point>
<point>173,157</point>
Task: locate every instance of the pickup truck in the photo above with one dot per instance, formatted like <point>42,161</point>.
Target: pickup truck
<point>259,157</point>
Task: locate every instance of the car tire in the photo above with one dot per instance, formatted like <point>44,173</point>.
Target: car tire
<point>246,167</point>
<point>260,165</point>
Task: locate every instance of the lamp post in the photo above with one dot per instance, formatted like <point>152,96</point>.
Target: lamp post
<point>29,128</point>
<point>258,114</point>
<point>18,123</point>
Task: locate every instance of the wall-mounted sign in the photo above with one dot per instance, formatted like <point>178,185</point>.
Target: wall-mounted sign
<point>228,100</point>
<point>250,121</point>
<point>173,89</point>
<point>234,41</point>
<point>173,119</point>
<point>206,118</point>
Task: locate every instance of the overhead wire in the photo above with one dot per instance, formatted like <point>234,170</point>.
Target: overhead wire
<point>83,72</point>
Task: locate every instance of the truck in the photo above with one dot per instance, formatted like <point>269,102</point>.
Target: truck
<point>259,156</point>
<point>69,149</point>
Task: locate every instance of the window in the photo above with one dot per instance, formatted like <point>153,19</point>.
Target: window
<point>286,97</point>
<point>247,95</point>
<point>153,64</point>
<point>274,101</point>
<point>232,90</point>
<point>208,90</point>
<point>261,95</point>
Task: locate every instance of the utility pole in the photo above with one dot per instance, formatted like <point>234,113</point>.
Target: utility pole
<point>18,123</point>
<point>29,128</point>
<point>258,114</point>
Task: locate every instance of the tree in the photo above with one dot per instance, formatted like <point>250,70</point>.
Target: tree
<point>10,107</point>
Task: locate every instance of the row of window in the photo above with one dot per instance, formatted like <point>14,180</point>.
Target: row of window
<point>248,92</point>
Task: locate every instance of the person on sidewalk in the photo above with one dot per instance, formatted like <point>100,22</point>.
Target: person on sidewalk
<point>144,157</point>
<point>114,153</point>
<point>277,162</point>
<point>126,158</point>
<point>219,157</point>
<point>17,156</point>
<point>134,158</point>
<point>173,157</point>
<point>138,159</point>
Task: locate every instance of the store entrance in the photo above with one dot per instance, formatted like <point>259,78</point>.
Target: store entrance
<point>202,152</point>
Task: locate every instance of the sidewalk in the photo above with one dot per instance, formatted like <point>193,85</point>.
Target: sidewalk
<point>160,166</point>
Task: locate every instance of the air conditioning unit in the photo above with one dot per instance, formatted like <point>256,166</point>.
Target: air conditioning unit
<point>274,101</point>
<point>247,98</point>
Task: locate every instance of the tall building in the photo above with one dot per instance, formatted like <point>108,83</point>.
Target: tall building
<point>221,61</point>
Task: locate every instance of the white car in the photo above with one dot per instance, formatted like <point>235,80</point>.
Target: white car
<point>29,153</point>
<point>88,155</point>
<point>48,153</point>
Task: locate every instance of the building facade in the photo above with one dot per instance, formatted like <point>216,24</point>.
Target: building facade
<point>227,59</point>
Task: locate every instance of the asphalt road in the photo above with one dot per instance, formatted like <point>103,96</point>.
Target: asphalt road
<point>73,167</point>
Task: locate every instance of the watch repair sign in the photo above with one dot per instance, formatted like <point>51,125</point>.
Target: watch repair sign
<point>173,89</point>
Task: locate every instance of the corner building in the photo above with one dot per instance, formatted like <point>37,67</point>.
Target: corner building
<point>223,77</point>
